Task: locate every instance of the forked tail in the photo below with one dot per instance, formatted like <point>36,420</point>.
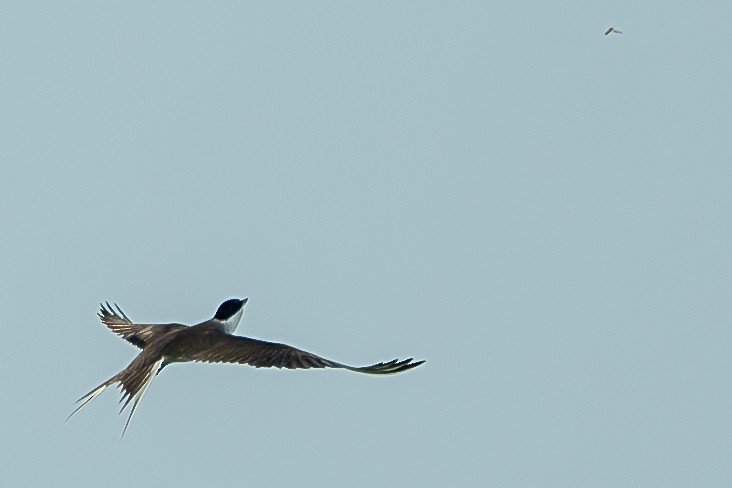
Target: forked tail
<point>134,381</point>
<point>91,395</point>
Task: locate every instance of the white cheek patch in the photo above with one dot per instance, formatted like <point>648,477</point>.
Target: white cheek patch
<point>229,325</point>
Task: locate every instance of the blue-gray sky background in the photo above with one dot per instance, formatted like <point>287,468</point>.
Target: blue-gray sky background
<point>539,211</point>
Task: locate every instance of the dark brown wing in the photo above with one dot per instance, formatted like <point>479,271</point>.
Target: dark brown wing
<point>211,345</point>
<point>137,334</point>
<point>608,31</point>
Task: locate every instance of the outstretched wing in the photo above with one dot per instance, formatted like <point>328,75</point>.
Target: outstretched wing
<point>608,31</point>
<point>214,346</point>
<point>137,334</point>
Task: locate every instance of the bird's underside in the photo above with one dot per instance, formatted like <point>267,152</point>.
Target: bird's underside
<point>163,344</point>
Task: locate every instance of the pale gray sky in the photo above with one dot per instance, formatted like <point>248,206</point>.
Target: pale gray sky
<point>539,211</point>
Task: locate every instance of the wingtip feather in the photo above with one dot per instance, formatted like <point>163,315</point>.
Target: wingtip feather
<point>390,367</point>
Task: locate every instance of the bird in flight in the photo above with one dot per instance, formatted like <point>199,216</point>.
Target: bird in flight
<point>612,30</point>
<point>211,341</point>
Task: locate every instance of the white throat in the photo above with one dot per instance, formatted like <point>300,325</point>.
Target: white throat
<point>229,325</point>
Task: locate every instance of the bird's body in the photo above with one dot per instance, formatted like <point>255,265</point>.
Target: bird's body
<point>210,341</point>
<point>612,30</point>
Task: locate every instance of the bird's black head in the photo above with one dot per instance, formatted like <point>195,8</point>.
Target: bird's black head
<point>229,308</point>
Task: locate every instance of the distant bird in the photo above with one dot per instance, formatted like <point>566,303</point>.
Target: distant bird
<point>210,341</point>
<point>612,30</point>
